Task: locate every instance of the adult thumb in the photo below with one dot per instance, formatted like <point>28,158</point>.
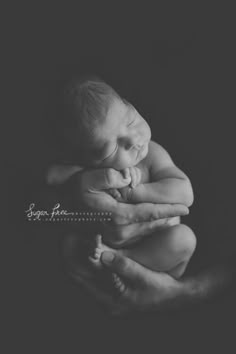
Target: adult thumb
<point>123,266</point>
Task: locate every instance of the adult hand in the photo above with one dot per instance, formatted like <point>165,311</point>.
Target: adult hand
<point>143,289</point>
<point>130,222</point>
<point>140,288</point>
<point>118,236</point>
<point>91,188</point>
<point>95,180</point>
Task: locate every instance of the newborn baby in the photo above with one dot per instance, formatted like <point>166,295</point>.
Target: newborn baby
<point>106,131</point>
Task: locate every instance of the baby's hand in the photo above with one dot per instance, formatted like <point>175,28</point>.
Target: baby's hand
<point>124,194</point>
<point>114,193</point>
<point>134,173</point>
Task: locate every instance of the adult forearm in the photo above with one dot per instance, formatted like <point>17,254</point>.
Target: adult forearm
<point>67,193</point>
<point>58,174</point>
<point>209,284</point>
<point>169,190</point>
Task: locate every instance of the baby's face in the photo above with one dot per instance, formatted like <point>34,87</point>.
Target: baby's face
<point>122,139</point>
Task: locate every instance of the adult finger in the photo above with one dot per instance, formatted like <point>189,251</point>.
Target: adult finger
<point>160,211</point>
<point>134,213</point>
<point>120,235</point>
<point>90,287</point>
<point>104,178</point>
<point>123,266</point>
<point>105,299</point>
<point>83,276</point>
<point>126,173</point>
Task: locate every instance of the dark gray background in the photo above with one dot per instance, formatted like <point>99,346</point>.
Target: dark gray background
<point>177,66</point>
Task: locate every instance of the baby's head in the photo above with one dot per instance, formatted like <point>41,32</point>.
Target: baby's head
<point>103,129</point>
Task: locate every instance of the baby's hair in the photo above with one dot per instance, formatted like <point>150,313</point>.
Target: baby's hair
<point>86,102</point>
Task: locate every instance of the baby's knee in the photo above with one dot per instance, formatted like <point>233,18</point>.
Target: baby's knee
<point>183,240</point>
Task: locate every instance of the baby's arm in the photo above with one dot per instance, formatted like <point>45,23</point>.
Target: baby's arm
<point>168,183</point>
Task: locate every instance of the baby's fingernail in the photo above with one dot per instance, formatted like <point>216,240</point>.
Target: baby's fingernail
<point>107,257</point>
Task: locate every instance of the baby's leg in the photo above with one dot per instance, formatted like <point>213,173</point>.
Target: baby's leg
<point>169,251</point>
<point>95,261</point>
<point>99,247</point>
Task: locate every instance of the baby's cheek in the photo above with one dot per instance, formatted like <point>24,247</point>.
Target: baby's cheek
<point>130,158</point>
<point>122,162</point>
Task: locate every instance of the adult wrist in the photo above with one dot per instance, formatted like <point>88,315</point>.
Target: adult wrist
<point>182,293</point>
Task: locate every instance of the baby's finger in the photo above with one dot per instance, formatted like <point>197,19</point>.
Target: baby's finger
<point>126,173</point>
<point>118,194</point>
<point>138,175</point>
<point>134,177</point>
<point>114,193</point>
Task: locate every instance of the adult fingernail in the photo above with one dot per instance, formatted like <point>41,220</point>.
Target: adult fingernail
<point>107,257</point>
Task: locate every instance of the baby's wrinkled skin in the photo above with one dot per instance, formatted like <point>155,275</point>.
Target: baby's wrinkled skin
<point>122,141</point>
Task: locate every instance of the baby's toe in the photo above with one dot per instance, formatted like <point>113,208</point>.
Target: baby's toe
<point>98,240</point>
<point>97,255</point>
<point>118,283</point>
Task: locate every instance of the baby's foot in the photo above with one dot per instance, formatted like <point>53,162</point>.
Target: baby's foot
<point>99,248</point>
<point>118,283</point>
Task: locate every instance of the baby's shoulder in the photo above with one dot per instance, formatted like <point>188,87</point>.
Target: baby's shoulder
<point>157,157</point>
<point>155,152</point>
<point>154,147</point>
<point>149,161</point>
